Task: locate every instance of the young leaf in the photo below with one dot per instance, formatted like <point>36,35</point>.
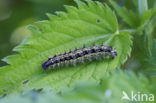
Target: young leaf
<point>133,18</point>
<point>128,16</point>
<point>89,23</point>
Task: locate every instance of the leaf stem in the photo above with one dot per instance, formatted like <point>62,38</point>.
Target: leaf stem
<point>132,30</point>
<point>142,6</point>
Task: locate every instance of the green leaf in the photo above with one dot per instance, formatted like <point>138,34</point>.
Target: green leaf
<point>89,23</point>
<point>128,16</point>
<point>150,62</point>
<point>132,18</point>
<point>109,91</point>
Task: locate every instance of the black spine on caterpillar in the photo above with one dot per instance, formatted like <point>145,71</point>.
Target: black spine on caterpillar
<point>80,56</point>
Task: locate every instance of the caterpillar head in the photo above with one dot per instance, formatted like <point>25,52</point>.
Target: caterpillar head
<point>47,63</point>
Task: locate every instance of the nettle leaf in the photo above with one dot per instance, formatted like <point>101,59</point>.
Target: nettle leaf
<point>133,18</point>
<point>109,91</point>
<point>150,62</point>
<point>128,16</point>
<point>91,22</point>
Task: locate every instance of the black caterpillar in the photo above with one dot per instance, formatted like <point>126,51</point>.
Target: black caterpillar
<point>80,55</point>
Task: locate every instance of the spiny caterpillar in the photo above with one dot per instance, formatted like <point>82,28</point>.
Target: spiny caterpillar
<point>80,55</point>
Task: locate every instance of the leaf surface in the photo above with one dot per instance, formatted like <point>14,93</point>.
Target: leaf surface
<point>91,22</point>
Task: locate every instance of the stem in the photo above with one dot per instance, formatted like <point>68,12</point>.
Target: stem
<point>142,6</point>
<point>132,30</point>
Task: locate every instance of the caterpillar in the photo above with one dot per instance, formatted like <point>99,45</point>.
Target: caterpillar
<point>80,56</point>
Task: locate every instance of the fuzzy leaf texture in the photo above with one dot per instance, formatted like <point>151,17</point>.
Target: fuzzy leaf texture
<point>109,91</point>
<point>91,22</point>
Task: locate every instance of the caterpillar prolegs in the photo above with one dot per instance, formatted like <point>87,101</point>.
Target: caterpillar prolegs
<point>80,55</point>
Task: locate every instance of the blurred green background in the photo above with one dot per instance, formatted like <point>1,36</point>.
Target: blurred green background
<point>15,15</point>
